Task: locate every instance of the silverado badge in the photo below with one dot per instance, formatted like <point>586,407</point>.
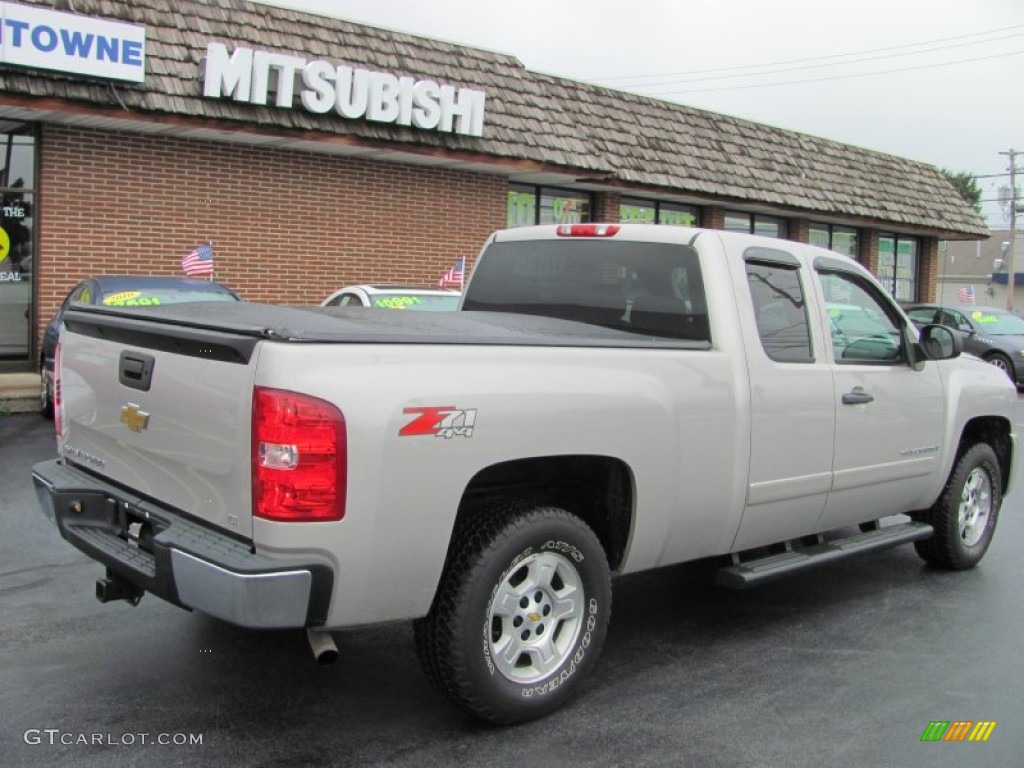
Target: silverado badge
<point>136,419</point>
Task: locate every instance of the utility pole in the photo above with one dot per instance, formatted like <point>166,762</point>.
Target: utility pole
<point>1013,229</point>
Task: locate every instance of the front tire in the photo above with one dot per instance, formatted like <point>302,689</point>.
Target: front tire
<point>520,615</point>
<point>964,517</point>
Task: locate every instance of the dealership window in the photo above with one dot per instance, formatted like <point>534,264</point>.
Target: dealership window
<point>839,239</point>
<point>634,210</point>
<point>898,265</point>
<point>529,205</point>
<point>17,228</point>
<point>755,224</point>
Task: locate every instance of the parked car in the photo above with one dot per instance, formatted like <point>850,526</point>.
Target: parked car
<point>994,335</point>
<point>394,297</point>
<point>121,291</point>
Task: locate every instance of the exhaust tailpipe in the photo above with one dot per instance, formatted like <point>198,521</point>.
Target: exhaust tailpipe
<point>324,649</point>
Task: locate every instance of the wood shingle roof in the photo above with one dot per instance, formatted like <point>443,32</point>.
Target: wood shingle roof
<point>549,121</point>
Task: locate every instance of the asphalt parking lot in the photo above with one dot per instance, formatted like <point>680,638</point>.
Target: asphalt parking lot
<point>843,666</point>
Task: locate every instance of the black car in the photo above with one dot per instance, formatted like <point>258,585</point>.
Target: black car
<point>121,291</point>
<point>994,335</point>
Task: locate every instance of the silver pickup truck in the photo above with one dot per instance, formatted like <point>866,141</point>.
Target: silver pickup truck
<point>609,399</point>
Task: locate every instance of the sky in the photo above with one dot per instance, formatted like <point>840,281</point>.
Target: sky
<point>941,81</point>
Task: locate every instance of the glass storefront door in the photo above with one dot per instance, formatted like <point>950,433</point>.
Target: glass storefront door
<point>17,229</point>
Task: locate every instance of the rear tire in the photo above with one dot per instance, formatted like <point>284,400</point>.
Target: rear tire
<point>964,517</point>
<point>520,615</point>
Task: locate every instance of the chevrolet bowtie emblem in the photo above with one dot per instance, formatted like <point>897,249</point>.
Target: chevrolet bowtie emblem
<point>137,420</point>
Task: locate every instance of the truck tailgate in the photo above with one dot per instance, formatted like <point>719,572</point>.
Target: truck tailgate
<point>165,411</point>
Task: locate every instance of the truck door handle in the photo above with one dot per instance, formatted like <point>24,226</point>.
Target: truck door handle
<point>857,396</point>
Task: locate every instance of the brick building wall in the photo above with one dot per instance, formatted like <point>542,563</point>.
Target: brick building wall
<point>606,206</point>
<point>799,230</point>
<point>869,250</point>
<point>928,266</point>
<point>287,227</point>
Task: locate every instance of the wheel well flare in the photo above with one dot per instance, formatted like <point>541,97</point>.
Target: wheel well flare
<point>596,489</point>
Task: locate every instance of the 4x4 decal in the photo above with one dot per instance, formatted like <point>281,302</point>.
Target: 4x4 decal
<point>445,421</point>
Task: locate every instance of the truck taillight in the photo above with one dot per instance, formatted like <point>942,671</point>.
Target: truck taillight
<point>58,400</point>
<point>299,457</point>
<point>587,230</point>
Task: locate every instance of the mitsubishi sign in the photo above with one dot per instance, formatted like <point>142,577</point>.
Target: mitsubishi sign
<point>253,77</point>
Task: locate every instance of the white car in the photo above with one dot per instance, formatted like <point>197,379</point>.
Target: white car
<point>395,297</point>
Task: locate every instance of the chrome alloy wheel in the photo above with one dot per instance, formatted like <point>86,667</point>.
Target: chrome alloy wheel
<point>975,506</point>
<point>535,616</point>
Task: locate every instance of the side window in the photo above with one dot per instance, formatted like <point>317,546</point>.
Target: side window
<point>350,300</point>
<point>780,311</point>
<point>863,328</point>
<point>923,315</point>
<point>959,322</point>
<point>79,294</point>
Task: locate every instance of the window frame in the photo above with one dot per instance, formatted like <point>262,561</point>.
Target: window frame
<point>659,206</point>
<point>539,191</point>
<point>890,280</point>
<point>752,221</point>
<point>831,230</point>
<point>29,193</point>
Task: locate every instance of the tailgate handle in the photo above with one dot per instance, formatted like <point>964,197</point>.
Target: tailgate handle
<point>135,370</point>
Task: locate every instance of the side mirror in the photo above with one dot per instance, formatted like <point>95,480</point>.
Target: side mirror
<point>967,329</point>
<point>937,342</point>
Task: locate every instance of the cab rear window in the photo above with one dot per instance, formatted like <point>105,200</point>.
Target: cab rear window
<point>653,289</point>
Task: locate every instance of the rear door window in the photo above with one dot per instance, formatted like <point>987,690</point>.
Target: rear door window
<point>780,309</point>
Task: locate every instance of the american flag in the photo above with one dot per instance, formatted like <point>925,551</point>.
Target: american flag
<point>199,263</point>
<point>965,295</point>
<point>454,275</point>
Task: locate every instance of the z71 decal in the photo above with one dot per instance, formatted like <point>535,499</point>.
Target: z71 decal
<point>445,421</point>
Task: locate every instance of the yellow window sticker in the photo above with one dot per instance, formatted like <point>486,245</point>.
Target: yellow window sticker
<point>130,299</point>
<point>981,318</point>
<point>117,299</point>
<point>396,302</point>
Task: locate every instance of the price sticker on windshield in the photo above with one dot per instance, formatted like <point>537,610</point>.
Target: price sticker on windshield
<point>130,299</point>
<point>396,302</point>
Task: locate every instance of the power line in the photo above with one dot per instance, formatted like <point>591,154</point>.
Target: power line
<point>810,59</point>
<point>834,77</point>
<point>820,65</point>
